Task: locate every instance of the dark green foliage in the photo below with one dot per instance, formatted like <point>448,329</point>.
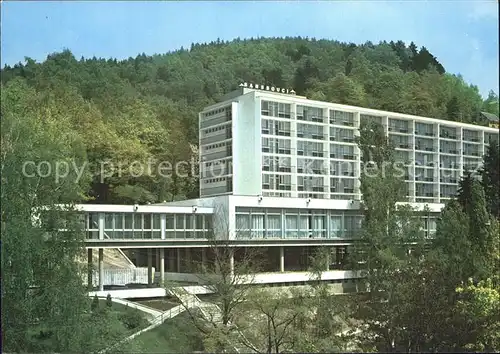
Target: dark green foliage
<point>389,249</point>
<point>453,110</point>
<point>147,107</point>
<point>178,335</point>
<point>109,301</point>
<point>491,178</point>
<point>94,306</point>
<point>132,319</point>
<point>465,186</point>
<point>41,279</point>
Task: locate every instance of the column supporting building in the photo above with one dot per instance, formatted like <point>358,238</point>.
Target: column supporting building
<point>150,267</point>
<point>328,259</point>
<point>162,266</point>
<point>231,264</point>
<point>101,269</point>
<point>90,270</point>
<point>282,259</point>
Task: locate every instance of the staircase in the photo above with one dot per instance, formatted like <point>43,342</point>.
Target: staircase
<point>210,312</point>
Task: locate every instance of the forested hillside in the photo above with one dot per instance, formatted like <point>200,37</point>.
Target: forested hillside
<point>145,108</point>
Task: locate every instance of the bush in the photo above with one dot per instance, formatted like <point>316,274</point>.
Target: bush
<point>109,301</point>
<point>133,319</point>
<point>95,303</point>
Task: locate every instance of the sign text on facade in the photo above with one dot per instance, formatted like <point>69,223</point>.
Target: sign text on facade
<point>268,88</point>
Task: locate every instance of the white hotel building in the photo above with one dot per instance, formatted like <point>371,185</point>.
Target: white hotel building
<point>281,172</point>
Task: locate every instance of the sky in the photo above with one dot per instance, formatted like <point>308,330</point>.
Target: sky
<point>462,34</point>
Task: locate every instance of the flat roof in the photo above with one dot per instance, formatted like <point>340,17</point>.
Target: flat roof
<point>323,104</point>
<point>142,209</point>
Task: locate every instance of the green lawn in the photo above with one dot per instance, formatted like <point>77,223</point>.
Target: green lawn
<point>177,335</point>
<point>99,328</point>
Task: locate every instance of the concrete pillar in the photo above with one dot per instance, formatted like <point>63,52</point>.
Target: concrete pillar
<point>231,264</point>
<point>150,267</point>
<point>328,260</point>
<point>90,265</point>
<point>101,269</point>
<point>178,260</point>
<point>203,260</point>
<point>101,226</point>
<point>162,266</point>
<point>282,259</point>
<point>163,225</point>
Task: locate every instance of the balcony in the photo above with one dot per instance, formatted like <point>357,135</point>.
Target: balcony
<point>450,180</point>
<point>311,153</point>
<point>399,130</point>
<point>472,153</point>
<point>448,136</point>
<point>284,133</point>
<point>311,118</point>
<point>312,189</point>
<point>449,151</point>
<point>431,134</point>
<point>347,173</point>
<point>343,122</point>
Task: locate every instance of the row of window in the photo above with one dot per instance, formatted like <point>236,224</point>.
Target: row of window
<point>218,145</point>
<point>217,180</point>
<point>315,114</point>
<point>216,129</point>
<point>218,163</point>
<point>214,112</point>
<point>133,222</point>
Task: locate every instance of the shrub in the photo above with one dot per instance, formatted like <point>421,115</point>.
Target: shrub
<point>109,302</point>
<point>95,303</point>
<point>132,319</point>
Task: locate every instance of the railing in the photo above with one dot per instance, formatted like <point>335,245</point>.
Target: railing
<point>157,321</point>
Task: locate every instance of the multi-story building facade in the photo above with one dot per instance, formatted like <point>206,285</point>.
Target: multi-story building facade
<point>280,145</point>
<point>281,173</point>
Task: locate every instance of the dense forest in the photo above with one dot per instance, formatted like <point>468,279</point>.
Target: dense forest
<point>145,108</point>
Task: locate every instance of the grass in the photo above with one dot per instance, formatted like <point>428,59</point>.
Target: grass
<point>177,335</point>
<point>98,328</point>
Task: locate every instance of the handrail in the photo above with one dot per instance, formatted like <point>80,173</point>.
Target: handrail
<point>155,322</point>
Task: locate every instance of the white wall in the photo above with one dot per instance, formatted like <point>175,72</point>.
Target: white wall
<point>247,155</point>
